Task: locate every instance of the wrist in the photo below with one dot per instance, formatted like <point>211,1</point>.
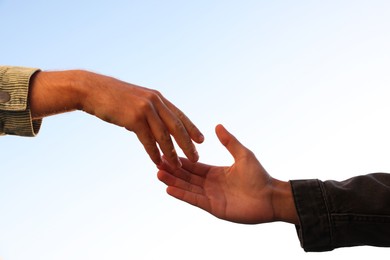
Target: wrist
<point>80,82</point>
<point>283,202</point>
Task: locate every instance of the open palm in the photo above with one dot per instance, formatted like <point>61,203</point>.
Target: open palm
<point>240,193</point>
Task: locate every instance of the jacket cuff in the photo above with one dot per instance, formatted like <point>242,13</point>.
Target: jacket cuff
<point>314,230</point>
<point>15,115</point>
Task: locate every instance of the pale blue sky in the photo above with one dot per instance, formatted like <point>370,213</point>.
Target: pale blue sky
<point>304,84</point>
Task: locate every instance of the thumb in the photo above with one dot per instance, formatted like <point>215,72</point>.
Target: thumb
<point>235,148</point>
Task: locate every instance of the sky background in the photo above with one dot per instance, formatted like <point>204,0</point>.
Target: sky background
<point>303,84</point>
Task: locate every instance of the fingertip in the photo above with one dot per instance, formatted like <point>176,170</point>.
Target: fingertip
<point>219,125</point>
<point>228,140</point>
<point>174,164</point>
<point>159,175</point>
<point>195,156</point>
<point>165,165</point>
<point>200,138</point>
<point>169,190</point>
<point>164,162</point>
<point>222,134</point>
<point>196,136</point>
<point>221,130</point>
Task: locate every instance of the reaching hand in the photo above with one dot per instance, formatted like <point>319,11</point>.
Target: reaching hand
<point>243,192</point>
<point>144,111</point>
<point>149,115</point>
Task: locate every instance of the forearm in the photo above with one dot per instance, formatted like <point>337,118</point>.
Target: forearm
<point>57,92</point>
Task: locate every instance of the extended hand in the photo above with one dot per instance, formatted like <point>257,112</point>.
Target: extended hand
<point>243,193</point>
<point>144,111</point>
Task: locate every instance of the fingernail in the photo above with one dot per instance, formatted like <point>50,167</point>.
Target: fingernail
<point>178,164</point>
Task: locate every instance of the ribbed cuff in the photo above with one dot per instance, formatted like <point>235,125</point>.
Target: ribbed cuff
<point>15,115</point>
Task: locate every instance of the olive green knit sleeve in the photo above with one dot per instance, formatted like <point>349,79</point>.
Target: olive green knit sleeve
<point>15,115</point>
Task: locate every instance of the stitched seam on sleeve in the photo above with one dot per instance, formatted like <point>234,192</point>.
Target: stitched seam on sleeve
<point>326,202</point>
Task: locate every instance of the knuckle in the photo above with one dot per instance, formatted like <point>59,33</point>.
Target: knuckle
<point>144,107</point>
<point>153,96</point>
<point>138,117</point>
<point>164,137</point>
<point>179,127</point>
<point>157,93</point>
<point>145,104</point>
<point>188,146</point>
<point>182,135</point>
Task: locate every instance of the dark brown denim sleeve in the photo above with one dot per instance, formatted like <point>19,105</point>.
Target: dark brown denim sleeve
<point>336,214</point>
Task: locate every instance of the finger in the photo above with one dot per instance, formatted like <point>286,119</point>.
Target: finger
<point>188,176</point>
<point>192,198</point>
<point>146,138</point>
<point>199,169</point>
<point>182,173</point>
<point>163,138</point>
<point>178,131</point>
<point>164,165</point>
<point>173,180</point>
<point>235,148</point>
<point>193,131</point>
